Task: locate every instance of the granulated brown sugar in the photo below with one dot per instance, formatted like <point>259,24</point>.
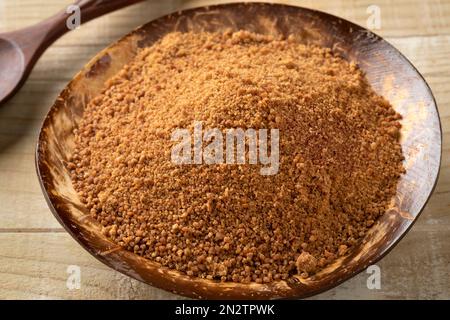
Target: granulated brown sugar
<point>340,158</point>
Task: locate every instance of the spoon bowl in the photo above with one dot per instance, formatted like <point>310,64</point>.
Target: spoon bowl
<point>12,68</point>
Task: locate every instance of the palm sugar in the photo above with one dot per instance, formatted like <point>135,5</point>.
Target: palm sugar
<point>339,157</point>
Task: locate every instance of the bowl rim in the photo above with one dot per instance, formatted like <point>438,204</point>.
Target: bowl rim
<point>321,289</point>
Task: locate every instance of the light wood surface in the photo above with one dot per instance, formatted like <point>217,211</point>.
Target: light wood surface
<point>35,251</point>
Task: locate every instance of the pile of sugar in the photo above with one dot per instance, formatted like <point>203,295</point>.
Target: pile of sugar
<point>340,157</point>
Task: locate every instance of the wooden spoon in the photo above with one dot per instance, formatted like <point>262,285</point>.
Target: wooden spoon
<point>19,50</point>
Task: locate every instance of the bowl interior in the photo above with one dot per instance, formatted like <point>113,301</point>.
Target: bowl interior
<point>390,74</point>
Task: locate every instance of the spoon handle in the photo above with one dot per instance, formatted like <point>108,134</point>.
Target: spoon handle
<point>91,9</point>
<point>46,32</point>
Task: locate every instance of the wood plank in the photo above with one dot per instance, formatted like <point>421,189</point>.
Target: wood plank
<point>34,265</point>
<point>400,19</point>
<point>417,268</point>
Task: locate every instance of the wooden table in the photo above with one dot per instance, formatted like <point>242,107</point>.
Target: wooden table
<point>35,251</point>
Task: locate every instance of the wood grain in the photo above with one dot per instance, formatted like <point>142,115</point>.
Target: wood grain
<point>34,250</point>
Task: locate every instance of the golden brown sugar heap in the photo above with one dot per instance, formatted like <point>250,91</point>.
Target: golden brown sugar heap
<point>340,157</point>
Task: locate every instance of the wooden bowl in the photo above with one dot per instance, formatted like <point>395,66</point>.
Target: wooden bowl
<point>387,70</point>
